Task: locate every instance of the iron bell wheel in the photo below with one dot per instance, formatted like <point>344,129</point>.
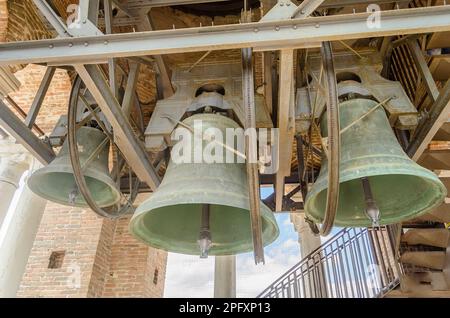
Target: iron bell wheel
<point>56,182</point>
<point>171,218</point>
<point>401,188</point>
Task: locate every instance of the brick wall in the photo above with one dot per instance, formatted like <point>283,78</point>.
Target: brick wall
<point>101,259</point>
<point>75,253</point>
<point>133,265</point>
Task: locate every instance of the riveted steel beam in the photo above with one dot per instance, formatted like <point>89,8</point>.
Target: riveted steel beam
<point>270,35</point>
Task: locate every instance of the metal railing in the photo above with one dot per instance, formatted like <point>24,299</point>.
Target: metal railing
<point>355,263</point>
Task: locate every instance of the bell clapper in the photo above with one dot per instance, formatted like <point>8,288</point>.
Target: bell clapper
<point>371,210</point>
<point>204,241</point>
<point>73,194</point>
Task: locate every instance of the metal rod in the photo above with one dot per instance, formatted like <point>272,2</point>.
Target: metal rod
<point>372,211</point>
<point>198,61</point>
<point>205,239</point>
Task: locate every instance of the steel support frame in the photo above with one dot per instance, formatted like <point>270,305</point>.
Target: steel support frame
<point>24,135</point>
<point>270,35</point>
<point>306,8</point>
<point>139,4</point>
<point>438,115</point>
<point>39,97</point>
<point>130,146</point>
<point>163,70</point>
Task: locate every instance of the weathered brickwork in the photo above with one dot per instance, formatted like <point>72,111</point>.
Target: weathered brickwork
<point>75,253</point>
<point>101,259</point>
<point>132,267</point>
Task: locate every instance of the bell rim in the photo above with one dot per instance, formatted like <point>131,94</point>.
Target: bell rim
<point>399,170</point>
<point>89,172</point>
<point>137,219</point>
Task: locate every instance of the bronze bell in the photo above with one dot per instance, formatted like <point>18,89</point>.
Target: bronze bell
<point>379,183</point>
<point>202,208</point>
<point>56,182</point>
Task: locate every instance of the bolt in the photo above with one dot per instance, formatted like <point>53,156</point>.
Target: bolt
<point>70,44</point>
<point>294,27</point>
<point>288,4</point>
<point>277,28</point>
<point>317,25</point>
<point>51,46</point>
<point>255,30</point>
<point>282,4</point>
<point>86,44</point>
<point>105,43</point>
<point>302,12</point>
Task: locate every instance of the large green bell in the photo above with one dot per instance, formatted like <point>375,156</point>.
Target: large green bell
<point>56,182</point>
<point>372,157</point>
<point>172,218</point>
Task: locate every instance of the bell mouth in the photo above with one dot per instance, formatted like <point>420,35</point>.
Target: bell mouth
<point>56,185</point>
<point>176,228</point>
<point>399,195</point>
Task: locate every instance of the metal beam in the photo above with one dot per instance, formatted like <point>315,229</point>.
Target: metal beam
<point>111,62</point>
<point>423,69</point>
<point>23,135</point>
<point>163,70</point>
<point>139,4</point>
<point>438,115</point>
<point>130,88</point>
<point>296,33</point>
<point>131,147</point>
<point>39,97</point>
<point>267,69</point>
<point>51,16</point>
<point>306,8</point>
<point>285,123</point>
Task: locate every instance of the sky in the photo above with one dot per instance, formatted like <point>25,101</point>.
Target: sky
<point>189,276</point>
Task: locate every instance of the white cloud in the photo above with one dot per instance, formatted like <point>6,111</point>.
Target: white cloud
<point>189,276</point>
<point>289,243</point>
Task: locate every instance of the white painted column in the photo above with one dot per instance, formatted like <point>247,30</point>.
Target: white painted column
<point>17,236</point>
<point>307,239</point>
<point>14,161</point>
<point>225,277</point>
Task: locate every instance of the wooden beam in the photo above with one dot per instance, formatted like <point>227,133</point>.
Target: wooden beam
<point>251,152</point>
<point>423,69</point>
<point>285,123</point>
